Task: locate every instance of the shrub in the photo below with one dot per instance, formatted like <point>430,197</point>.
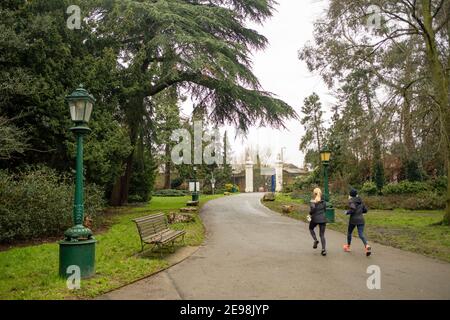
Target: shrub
<point>220,191</point>
<point>176,182</point>
<point>439,184</point>
<point>135,198</point>
<point>369,188</point>
<point>340,183</point>
<point>340,201</point>
<point>424,201</point>
<point>421,201</point>
<point>142,179</point>
<point>287,189</point>
<point>378,168</point>
<point>412,170</point>
<point>296,194</point>
<point>39,202</point>
<point>308,182</point>
<point>170,193</point>
<point>379,176</point>
<point>406,187</point>
<point>229,187</point>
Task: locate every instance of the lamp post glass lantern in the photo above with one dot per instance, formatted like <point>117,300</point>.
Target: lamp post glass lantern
<point>81,104</point>
<point>78,247</point>
<point>325,155</point>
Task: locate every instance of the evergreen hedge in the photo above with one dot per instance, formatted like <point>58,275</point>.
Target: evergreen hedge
<point>38,203</point>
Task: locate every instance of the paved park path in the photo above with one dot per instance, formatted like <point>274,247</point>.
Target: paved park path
<point>253,253</point>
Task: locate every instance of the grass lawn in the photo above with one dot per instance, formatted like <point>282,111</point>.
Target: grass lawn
<point>404,229</point>
<point>32,272</point>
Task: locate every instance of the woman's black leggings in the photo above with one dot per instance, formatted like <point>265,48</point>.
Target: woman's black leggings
<point>322,227</point>
<point>360,227</point>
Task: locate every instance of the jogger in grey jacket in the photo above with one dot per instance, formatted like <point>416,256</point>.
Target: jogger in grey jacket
<point>357,209</point>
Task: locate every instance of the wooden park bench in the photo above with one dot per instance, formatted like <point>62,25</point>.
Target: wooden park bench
<point>154,229</point>
<point>192,203</point>
<point>269,196</point>
<point>189,209</point>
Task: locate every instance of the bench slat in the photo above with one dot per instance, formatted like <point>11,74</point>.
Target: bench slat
<point>163,234</point>
<point>166,237</point>
<point>155,225</point>
<point>153,228</point>
<point>159,219</point>
<point>151,232</point>
<point>149,218</point>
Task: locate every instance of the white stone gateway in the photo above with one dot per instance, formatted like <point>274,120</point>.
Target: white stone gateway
<point>249,175</point>
<point>278,174</point>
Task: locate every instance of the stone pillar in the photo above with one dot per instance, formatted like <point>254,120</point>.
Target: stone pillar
<point>249,175</point>
<point>278,175</point>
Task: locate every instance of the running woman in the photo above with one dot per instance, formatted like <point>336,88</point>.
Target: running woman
<point>356,212</point>
<point>317,213</point>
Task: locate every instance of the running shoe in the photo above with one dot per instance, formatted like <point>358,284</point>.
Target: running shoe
<point>315,244</point>
<point>368,250</point>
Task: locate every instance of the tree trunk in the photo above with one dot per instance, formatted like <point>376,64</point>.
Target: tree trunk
<point>446,219</point>
<point>119,194</point>
<point>374,151</point>
<point>167,168</point>
<point>441,85</point>
<point>447,211</point>
<point>408,138</point>
<point>319,145</point>
<point>406,110</point>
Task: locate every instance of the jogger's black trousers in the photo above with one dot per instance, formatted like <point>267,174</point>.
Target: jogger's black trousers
<point>322,227</point>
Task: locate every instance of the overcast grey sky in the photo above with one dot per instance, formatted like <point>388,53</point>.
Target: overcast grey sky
<point>281,73</point>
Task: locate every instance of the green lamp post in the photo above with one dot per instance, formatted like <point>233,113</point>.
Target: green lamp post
<point>325,155</point>
<point>78,247</point>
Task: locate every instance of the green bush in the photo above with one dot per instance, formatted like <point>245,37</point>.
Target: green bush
<point>142,179</point>
<point>413,170</point>
<point>170,193</point>
<point>420,201</point>
<point>229,187</point>
<point>439,184</point>
<point>424,201</point>
<point>38,203</point>
<point>369,188</point>
<point>288,189</point>
<point>135,199</point>
<point>308,182</point>
<point>176,182</point>
<point>406,187</point>
<point>220,191</point>
<point>296,194</point>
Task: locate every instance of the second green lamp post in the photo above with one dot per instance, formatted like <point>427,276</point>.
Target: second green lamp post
<point>325,155</point>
